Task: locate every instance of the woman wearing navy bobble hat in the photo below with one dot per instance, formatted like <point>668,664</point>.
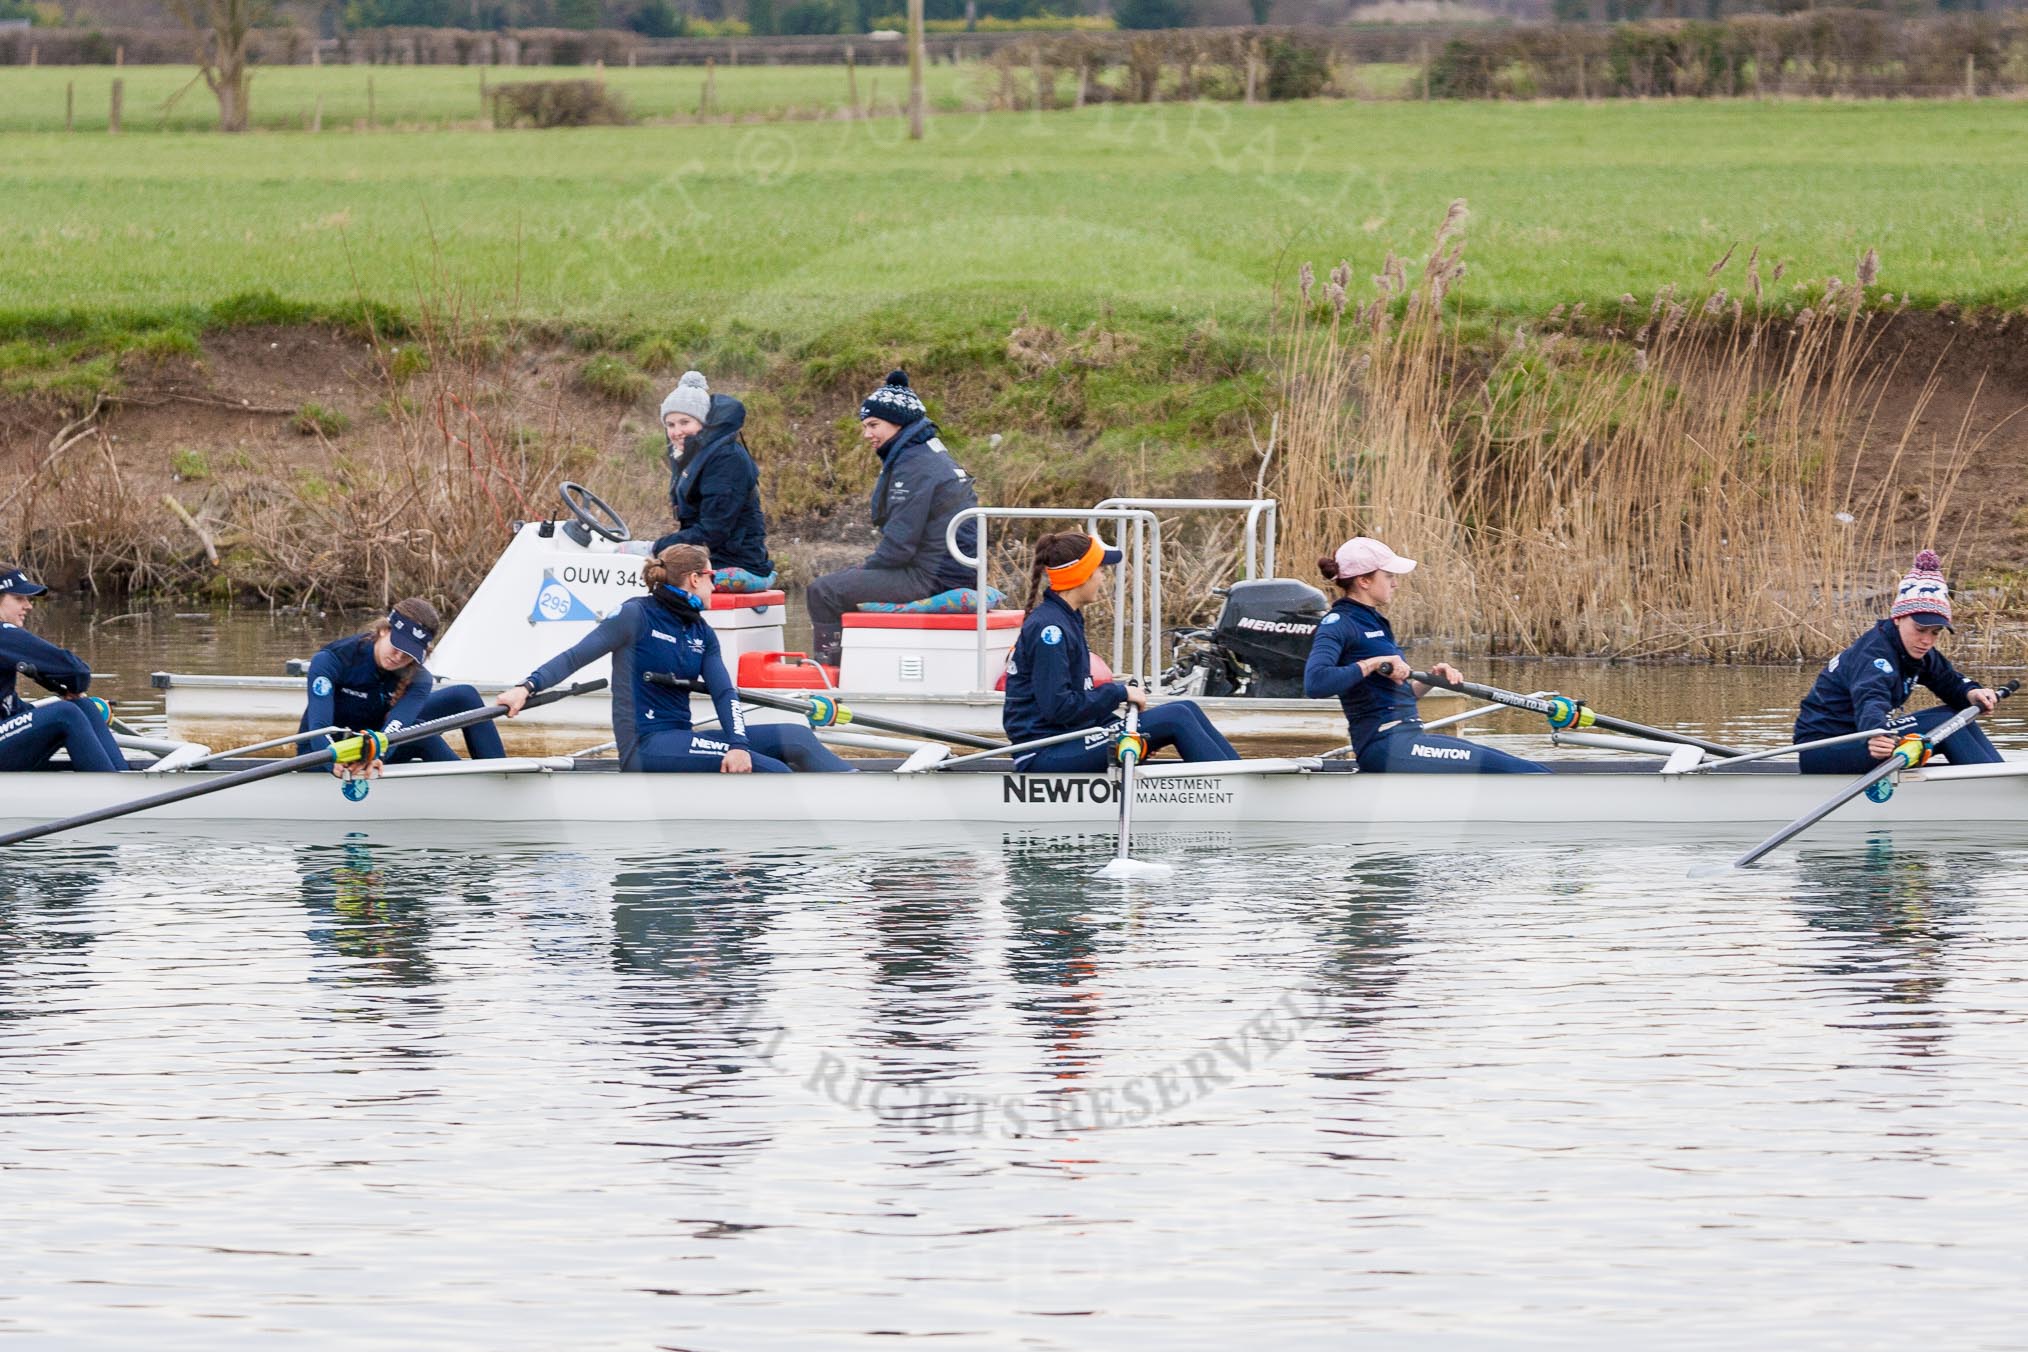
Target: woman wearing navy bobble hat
<point>30,734</point>
<point>1861,687</point>
<point>919,489</point>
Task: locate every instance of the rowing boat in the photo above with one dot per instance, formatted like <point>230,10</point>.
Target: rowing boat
<point>548,795</point>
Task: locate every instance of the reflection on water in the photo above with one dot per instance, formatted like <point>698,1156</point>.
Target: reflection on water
<point>586,1092</point>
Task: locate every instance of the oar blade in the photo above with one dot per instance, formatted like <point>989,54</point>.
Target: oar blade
<point>1136,870</point>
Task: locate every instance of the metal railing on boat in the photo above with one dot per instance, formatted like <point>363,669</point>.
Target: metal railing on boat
<point>1137,583</point>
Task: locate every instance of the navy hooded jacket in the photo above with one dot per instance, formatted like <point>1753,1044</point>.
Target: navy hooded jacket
<point>1049,682</point>
<point>1861,687</point>
<point>660,632</point>
<point>1348,634</point>
<point>714,489</point>
<point>919,490</point>
<point>55,669</point>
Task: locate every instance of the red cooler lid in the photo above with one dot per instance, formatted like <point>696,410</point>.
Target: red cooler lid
<point>890,619</point>
<point>725,600</point>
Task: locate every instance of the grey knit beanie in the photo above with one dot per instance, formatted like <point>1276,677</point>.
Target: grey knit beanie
<point>691,396</point>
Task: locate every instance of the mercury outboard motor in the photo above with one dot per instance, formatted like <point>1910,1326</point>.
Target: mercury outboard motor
<point>1258,646</point>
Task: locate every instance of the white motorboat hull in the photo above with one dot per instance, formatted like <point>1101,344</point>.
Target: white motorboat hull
<point>197,705</point>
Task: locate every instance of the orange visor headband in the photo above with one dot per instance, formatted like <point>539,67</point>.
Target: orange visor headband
<point>1067,575</point>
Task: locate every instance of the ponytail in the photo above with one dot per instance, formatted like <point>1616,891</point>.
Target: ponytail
<point>676,561</point>
<point>1053,551</point>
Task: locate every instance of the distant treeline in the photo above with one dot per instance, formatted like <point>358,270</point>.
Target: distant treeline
<point>1825,52</point>
<point>568,47</point>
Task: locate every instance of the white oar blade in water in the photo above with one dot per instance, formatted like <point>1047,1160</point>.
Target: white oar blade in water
<point>1135,870</point>
<point>1705,871</point>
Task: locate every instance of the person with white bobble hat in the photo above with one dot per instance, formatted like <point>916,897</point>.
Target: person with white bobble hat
<point>1862,687</point>
<point>714,485</point>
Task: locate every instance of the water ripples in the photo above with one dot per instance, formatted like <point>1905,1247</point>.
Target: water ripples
<point>519,1095</point>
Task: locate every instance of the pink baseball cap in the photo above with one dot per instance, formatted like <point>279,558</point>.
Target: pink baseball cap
<point>1364,554</point>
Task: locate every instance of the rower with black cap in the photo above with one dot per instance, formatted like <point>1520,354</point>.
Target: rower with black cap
<point>31,734</point>
<point>1050,688</point>
<point>1861,687</point>
<point>376,680</point>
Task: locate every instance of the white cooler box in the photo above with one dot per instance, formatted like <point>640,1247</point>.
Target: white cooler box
<point>746,622</point>
<point>888,653</point>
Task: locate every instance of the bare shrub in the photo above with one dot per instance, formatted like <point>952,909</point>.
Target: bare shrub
<point>558,103</point>
<point>1688,492</point>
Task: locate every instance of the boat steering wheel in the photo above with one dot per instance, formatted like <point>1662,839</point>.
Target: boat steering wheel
<point>594,516</point>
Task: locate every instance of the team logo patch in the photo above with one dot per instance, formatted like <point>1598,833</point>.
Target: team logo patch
<point>1052,635</point>
<point>1329,619</point>
<point>321,686</point>
<point>1884,665</point>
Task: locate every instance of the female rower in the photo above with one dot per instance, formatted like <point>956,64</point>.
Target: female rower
<point>665,632</point>
<point>1049,682</point>
<point>714,485</point>
<point>1861,687</point>
<point>1355,657</point>
<point>377,680</point>
<point>30,734</point>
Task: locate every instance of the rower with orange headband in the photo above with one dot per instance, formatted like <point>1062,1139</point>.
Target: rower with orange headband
<point>1049,681</point>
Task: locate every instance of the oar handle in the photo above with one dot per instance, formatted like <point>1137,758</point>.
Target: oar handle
<point>270,769</point>
<point>824,710</point>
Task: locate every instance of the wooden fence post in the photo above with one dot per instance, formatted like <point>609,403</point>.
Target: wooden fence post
<point>317,115</point>
<point>113,113</point>
<point>1252,68</point>
<point>369,103</point>
<point>1971,77</point>
<point>70,105</point>
<point>851,84</point>
<point>120,55</point>
<point>709,103</point>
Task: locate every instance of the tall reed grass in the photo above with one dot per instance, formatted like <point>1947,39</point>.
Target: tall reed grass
<point>1682,477</point>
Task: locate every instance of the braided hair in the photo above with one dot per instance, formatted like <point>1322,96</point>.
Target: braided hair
<point>419,613</point>
<point>1053,551</point>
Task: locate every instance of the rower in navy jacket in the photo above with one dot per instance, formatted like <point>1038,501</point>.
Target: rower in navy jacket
<point>917,492</point>
<point>1354,656</point>
<point>1049,681</point>
<point>714,485</point>
<point>377,680</point>
<point>31,734</point>
<point>1861,687</point>
<point>665,632</point>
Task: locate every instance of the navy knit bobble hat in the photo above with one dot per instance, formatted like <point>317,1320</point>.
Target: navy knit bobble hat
<point>895,401</point>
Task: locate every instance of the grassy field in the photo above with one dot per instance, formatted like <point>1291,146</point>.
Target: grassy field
<point>808,229</point>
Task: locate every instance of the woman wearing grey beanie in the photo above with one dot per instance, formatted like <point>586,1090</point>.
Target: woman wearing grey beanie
<point>714,485</point>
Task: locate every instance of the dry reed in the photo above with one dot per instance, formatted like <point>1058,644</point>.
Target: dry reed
<point>1692,491</point>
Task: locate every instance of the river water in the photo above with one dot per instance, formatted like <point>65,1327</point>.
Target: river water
<point>590,1091</point>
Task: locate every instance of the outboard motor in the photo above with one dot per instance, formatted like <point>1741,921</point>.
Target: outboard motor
<point>1257,648</point>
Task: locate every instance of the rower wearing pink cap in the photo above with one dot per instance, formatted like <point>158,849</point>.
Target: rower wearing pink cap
<point>1355,657</point>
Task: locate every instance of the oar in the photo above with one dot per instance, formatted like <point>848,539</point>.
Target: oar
<point>1793,749</point>
<point>1130,748</point>
<point>1564,712</point>
<point>1448,720</point>
<point>1017,749</point>
<point>338,753</point>
<point>1913,750</point>
<point>252,747</point>
<point>824,712</point>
